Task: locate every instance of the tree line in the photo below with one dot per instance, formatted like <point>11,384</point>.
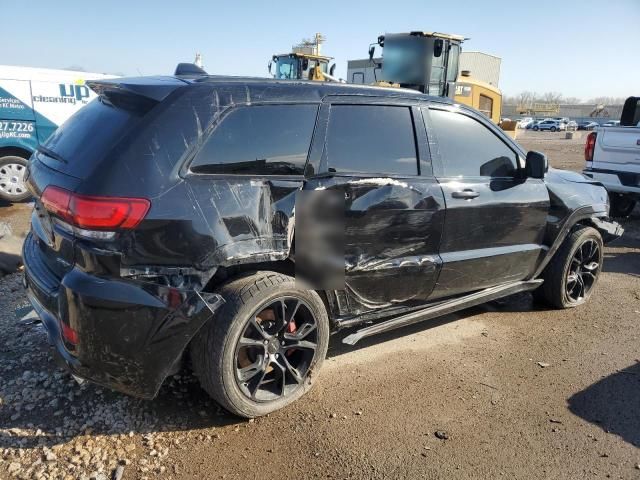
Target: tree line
<point>527,98</point>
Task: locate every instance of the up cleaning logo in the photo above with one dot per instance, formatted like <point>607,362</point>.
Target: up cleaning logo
<point>69,93</point>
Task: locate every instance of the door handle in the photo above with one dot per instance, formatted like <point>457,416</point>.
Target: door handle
<point>466,194</point>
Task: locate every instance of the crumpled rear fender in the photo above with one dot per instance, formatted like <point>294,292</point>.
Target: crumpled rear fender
<point>131,334</point>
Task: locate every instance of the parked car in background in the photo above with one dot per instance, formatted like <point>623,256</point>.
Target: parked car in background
<point>572,126</point>
<point>199,263</point>
<point>611,123</point>
<point>612,156</point>
<point>587,125</point>
<point>551,125</point>
<point>523,122</point>
<point>33,103</point>
<point>561,119</point>
<point>532,124</point>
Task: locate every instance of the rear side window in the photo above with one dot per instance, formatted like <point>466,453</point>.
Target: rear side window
<point>371,139</point>
<point>259,140</point>
<point>89,134</point>
<point>470,149</point>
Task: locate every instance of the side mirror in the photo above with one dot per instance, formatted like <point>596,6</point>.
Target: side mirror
<point>438,45</point>
<point>269,67</point>
<point>536,164</point>
<point>332,69</point>
<point>372,51</point>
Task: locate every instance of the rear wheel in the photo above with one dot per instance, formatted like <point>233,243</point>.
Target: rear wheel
<point>621,205</point>
<point>12,183</point>
<point>573,272</point>
<point>263,348</point>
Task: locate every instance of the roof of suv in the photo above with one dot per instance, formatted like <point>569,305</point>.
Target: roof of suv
<point>265,89</point>
<point>329,88</point>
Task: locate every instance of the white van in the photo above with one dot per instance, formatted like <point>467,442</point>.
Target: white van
<point>33,103</point>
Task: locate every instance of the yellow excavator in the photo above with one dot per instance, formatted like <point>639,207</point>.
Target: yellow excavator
<point>305,62</point>
<point>429,62</point>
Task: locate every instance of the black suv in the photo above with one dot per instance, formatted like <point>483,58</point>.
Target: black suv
<point>165,228</point>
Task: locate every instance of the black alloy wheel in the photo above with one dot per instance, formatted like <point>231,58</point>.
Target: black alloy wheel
<point>583,270</point>
<point>276,349</point>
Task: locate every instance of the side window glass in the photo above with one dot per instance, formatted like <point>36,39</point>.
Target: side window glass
<point>470,149</point>
<point>486,105</point>
<point>259,140</point>
<point>371,139</point>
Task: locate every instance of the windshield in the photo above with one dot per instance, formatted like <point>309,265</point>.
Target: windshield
<point>287,68</point>
<point>404,60</point>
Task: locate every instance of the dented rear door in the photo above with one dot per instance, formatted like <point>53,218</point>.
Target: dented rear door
<point>375,154</point>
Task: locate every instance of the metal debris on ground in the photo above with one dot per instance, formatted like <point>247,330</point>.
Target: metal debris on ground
<point>442,435</point>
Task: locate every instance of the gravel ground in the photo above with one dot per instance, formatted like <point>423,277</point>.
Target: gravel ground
<point>504,390</point>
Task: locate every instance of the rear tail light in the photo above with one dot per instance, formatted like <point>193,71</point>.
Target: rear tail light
<point>590,146</point>
<point>94,213</point>
<point>69,335</point>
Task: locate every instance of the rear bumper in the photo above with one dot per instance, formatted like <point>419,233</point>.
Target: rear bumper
<point>618,182</point>
<point>131,334</point>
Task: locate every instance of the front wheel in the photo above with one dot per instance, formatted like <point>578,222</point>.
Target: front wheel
<point>572,273</point>
<point>536,128</point>
<point>264,346</point>
<point>12,185</point>
<point>553,129</point>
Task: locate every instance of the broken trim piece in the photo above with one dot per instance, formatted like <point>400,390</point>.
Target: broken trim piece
<point>443,308</point>
<point>581,214</point>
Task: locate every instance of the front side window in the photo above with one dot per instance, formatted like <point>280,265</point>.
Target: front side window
<point>259,140</point>
<point>371,139</point>
<point>470,149</point>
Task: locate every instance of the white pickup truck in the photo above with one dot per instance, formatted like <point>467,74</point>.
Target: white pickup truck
<point>613,158</point>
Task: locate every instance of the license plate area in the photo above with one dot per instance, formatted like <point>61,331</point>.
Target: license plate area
<point>56,249</point>
<point>42,224</point>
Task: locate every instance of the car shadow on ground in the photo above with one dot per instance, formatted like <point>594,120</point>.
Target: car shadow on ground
<point>623,262</point>
<point>521,302</point>
<point>618,258</point>
<point>91,410</point>
<point>613,404</point>
<point>69,410</point>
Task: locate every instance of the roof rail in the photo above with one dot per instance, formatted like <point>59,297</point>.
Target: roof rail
<point>189,69</point>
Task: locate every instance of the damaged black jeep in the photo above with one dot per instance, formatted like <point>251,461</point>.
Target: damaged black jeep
<point>233,224</point>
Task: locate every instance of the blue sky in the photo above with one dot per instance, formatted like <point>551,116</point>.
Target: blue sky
<point>582,48</point>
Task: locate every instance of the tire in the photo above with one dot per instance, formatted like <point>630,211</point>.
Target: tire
<point>555,291</point>
<point>217,352</point>
<point>535,129</point>
<point>12,185</point>
<point>553,129</point>
<point>621,205</point>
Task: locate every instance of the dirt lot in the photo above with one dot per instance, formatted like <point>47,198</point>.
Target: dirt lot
<point>514,391</point>
<point>562,153</point>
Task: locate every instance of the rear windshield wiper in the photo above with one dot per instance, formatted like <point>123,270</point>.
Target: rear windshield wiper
<point>51,154</point>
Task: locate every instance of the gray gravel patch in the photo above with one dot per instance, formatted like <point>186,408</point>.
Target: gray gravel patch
<point>53,428</point>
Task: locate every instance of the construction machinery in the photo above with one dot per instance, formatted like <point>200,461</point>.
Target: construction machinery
<point>429,62</point>
<point>305,62</point>
<point>600,110</point>
<point>478,94</point>
<point>539,109</point>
